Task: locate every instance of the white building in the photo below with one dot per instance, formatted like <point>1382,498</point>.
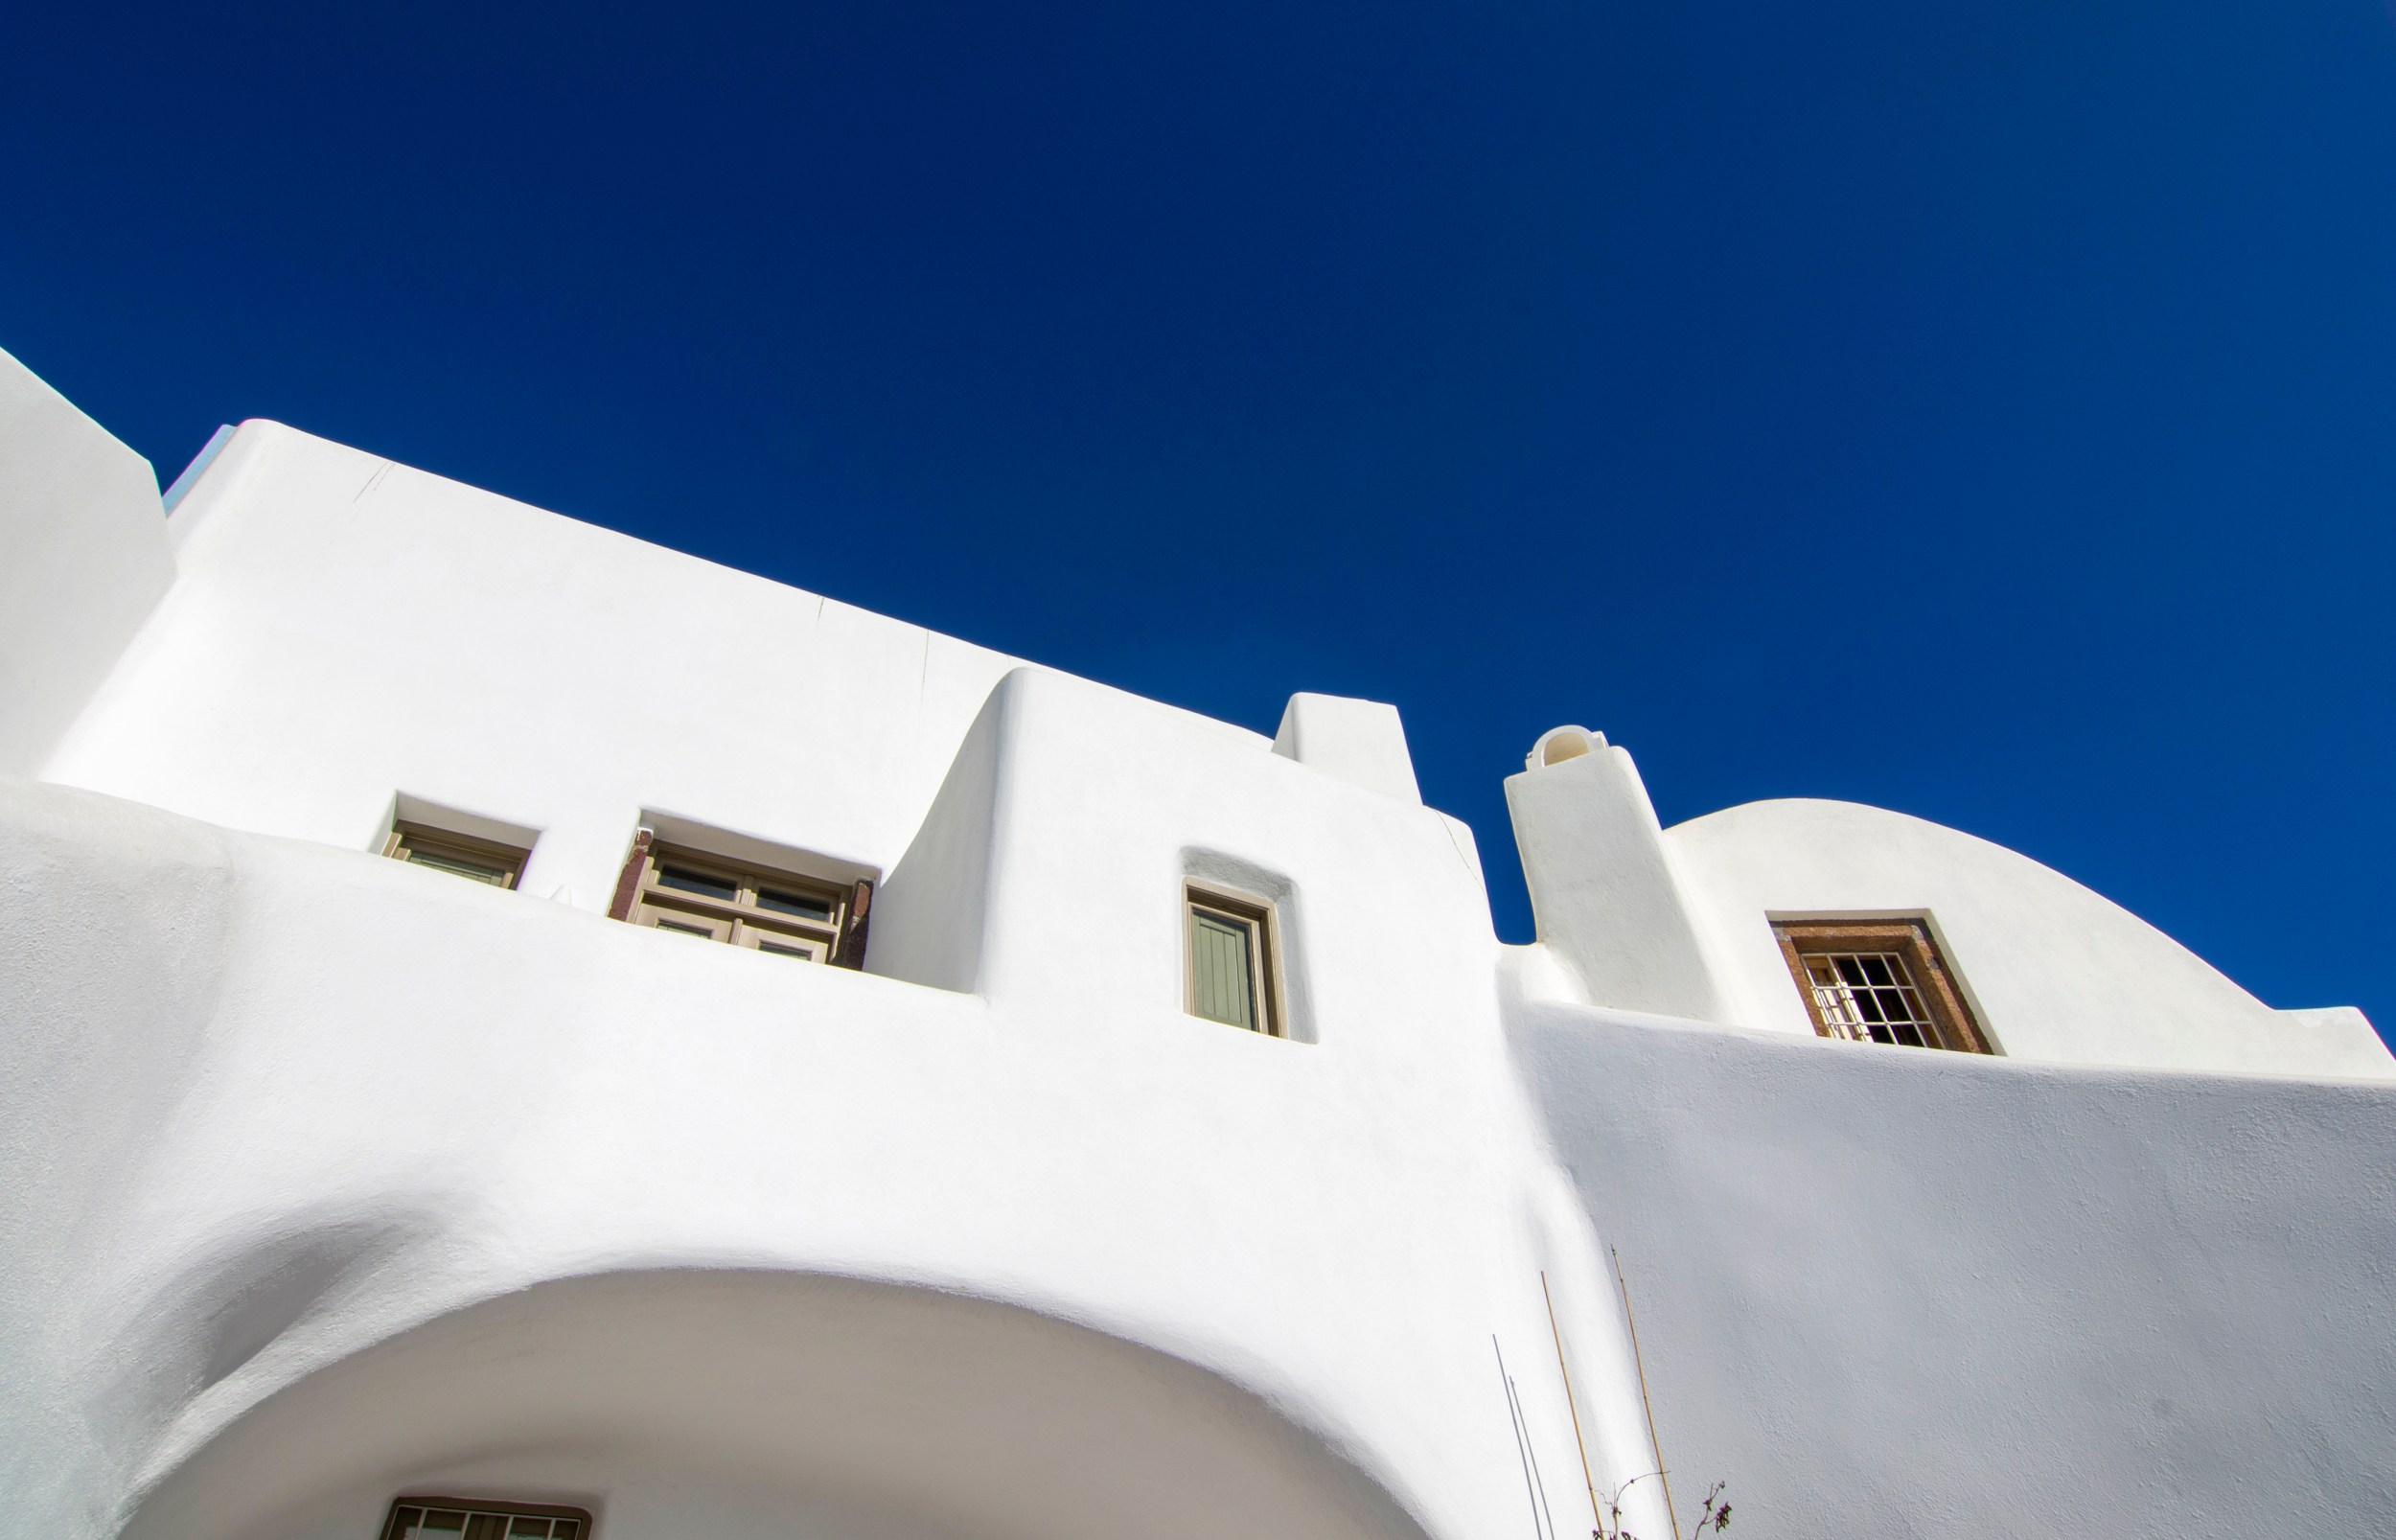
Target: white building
<point>336,1177</point>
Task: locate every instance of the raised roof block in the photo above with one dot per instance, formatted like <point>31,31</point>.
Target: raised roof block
<point>1358,741</point>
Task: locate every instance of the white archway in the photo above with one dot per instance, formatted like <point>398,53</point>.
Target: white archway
<point>784,1404</point>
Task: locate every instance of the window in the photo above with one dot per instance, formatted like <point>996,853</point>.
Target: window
<point>451,1517</point>
<point>671,888</point>
<point>477,860</point>
<point>1231,967</point>
<point>1879,981</point>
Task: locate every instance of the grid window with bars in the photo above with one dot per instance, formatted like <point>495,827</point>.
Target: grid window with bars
<point>444,1518</point>
<point>1230,973</point>
<point>770,911</point>
<point>1869,994</point>
<point>1879,981</point>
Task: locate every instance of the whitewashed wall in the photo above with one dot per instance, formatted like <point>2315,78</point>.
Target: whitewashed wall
<point>347,629</point>
<point>1912,1293</point>
<point>298,1140</point>
<point>83,558</point>
<point>1678,922</point>
<point>2056,973</point>
<point>315,1104</point>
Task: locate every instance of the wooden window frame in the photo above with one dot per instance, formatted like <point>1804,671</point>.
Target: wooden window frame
<point>1256,916</point>
<point>643,898</point>
<point>476,1506</point>
<point>407,839</point>
<point>1958,1029</point>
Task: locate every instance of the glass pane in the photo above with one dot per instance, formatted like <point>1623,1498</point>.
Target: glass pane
<point>786,951</point>
<point>404,1522</point>
<point>472,870</point>
<point>537,1529</point>
<point>487,1526</point>
<point>437,1522</point>
<point>814,909</point>
<point>567,1529</point>
<point>687,929</point>
<point>691,881</point>
<point>1220,969</point>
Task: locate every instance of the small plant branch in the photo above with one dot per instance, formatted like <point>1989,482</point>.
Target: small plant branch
<point>1713,1512</point>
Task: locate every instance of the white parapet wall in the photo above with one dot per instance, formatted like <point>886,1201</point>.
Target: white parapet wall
<point>83,559</point>
<point>1897,1291</point>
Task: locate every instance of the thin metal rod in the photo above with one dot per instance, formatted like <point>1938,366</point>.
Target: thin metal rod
<point>1529,1444</point>
<point>1653,1442</point>
<point>1522,1452</point>
<point>1579,1443</point>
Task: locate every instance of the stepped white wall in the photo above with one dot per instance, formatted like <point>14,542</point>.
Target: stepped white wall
<point>329,1177</point>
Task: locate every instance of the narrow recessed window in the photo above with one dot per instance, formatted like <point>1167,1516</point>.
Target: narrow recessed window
<point>1879,981</point>
<point>1230,970</point>
<point>781,913</point>
<point>477,860</point>
<point>451,1518</point>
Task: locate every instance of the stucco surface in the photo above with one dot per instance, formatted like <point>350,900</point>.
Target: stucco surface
<point>86,558</point>
<point>1603,887</point>
<point>2055,972</point>
<point>347,629</point>
<point>1910,1293</point>
<point>1359,740</point>
<point>378,1097</point>
<point>302,1147</point>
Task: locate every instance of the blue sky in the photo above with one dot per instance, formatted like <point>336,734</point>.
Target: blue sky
<point>1985,410</point>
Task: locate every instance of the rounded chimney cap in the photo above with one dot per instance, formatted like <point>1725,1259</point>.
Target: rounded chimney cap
<point>1558,745</point>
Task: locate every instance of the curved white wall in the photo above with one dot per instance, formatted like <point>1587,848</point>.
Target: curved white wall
<point>2055,972</point>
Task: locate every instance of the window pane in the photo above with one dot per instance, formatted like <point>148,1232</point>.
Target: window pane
<point>437,1522</point>
<point>786,950</point>
<point>814,909</point>
<point>691,881</point>
<point>567,1529</point>
<point>1220,970</point>
<point>686,930</point>
<point>536,1529</point>
<point>472,870</point>
<point>404,1523</point>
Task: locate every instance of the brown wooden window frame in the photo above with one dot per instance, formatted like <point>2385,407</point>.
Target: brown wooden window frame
<point>1257,917</point>
<point>1910,939</point>
<point>474,1507</point>
<point>414,843</point>
<point>647,895</point>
